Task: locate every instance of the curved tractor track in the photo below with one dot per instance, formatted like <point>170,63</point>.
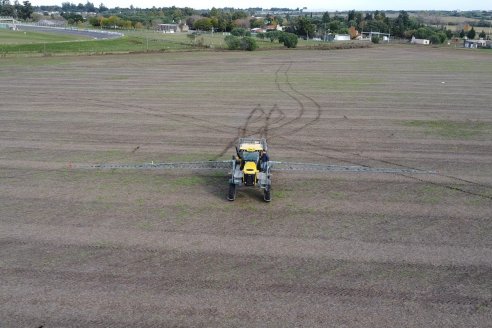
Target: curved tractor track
<point>153,245</point>
<point>275,122</point>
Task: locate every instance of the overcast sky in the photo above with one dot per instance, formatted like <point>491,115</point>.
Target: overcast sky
<point>312,5</point>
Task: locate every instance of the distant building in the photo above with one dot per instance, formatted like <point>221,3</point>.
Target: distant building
<point>341,37</point>
<point>258,30</point>
<point>273,27</point>
<point>173,28</point>
<point>419,41</point>
<point>367,36</point>
<point>475,43</point>
<point>337,37</point>
<point>7,22</point>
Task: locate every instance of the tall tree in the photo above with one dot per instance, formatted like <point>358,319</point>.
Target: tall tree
<point>304,27</point>
<point>7,9</point>
<point>26,10</point>
<point>326,17</point>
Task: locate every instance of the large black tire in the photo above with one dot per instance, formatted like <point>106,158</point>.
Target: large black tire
<point>231,195</point>
<point>267,195</point>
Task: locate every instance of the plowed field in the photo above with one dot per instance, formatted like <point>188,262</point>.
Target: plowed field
<point>164,248</point>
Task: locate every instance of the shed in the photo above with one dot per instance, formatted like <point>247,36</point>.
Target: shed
<point>419,41</point>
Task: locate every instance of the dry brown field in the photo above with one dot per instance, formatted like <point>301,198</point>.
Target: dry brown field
<point>162,248</point>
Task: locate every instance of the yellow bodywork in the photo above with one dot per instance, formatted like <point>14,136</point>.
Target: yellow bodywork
<point>250,168</point>
<point>251,147</point>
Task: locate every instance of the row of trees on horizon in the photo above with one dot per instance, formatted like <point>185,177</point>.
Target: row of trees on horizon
<point>306,25</point>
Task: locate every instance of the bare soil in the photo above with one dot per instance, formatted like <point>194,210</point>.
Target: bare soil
<point>159,248</point>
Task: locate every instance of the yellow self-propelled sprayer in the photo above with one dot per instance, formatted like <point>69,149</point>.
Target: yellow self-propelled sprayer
<point>250,167</point>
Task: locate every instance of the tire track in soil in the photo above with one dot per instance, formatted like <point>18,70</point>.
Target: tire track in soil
<point>270,126</point>
<point>245,131</point>
<point>318,115</point>
<point>145,110</point>
<point>317,105</point>
<point>331,249</point>
<point>167,282</point>
<point>365,157</point>
<point>264,131</point>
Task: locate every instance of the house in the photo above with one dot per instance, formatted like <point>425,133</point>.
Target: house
<point>258,30</point>
<point>336,37</point>
<point>341,37</point>
<point>475,43</point>
<point>367,36</point>
<point>7,22</point>
<point>273,27</point>
<point>173,28</point>
<point>419,41</point>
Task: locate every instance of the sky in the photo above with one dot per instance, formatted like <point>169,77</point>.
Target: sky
<point>312,5</point>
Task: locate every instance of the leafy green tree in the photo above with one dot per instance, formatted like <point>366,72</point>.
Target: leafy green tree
<point>326,18</point>
<point>256,22</point>
<point>214,12</point>
<point>248,43</point>
<point>72,18</point>
<point>95,21</point>
<point>351,15</point>
<point>471,33</point>
<point>240,14</point>
<point>305,27</point>
<point>462,33</point>
<point>273,35</point>
<point>401,24</point>
<point>204,24</point>
<point>289,39</point>
<point>238,31</point>
<point>379,15</point>
<point>26,10</point>
<point>375,39</point>
<point>482,35</point>
<point>434,39</point>
<point>102,8</point>
<point>442,36</point>
<point>334,26</point>
<point>232,42</point>
<point>376,25</point>
<point>89,7</point>
<point>7,9</point>
<point>423,33</point>
<point>67,6</point>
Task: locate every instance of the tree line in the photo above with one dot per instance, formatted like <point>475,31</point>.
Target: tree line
<point>16,10</point>
<point>303,25</point>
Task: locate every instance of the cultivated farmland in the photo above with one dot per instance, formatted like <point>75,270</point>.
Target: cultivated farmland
<point>119,248</point>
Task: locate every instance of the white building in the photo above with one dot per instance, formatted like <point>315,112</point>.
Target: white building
<point>475,43</point>
<point>341,37</point>
<point>419,41</point>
